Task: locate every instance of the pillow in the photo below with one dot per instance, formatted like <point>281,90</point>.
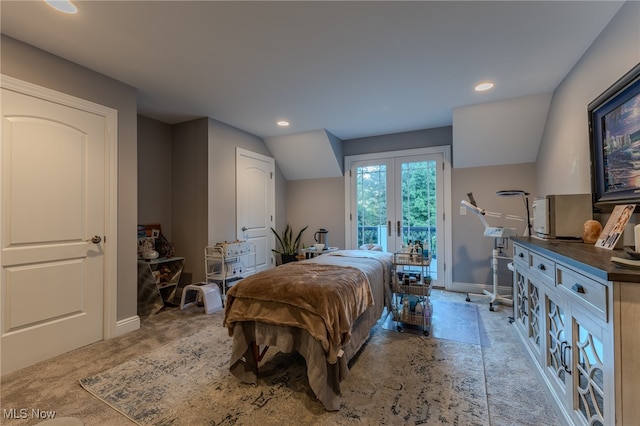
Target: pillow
<point>374,247</point>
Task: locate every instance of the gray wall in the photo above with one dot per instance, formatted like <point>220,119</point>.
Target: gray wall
<point>563,158</point>
<point>439,136</point>
<point>317,203</point>
<point>203,155</point>
<point>155,174</point>
<point>36,66</point>
<point>471,250</point>
<point>190,188</point>
<point>223,141</point>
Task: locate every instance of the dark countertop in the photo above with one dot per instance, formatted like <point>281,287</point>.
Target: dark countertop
<point>587,257</point>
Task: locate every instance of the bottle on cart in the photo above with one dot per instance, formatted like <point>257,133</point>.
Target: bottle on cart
<point>419,309</point>
<point>405,309</point>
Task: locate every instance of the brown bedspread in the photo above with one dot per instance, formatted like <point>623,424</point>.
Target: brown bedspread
<point>262,327</point>
<point>324,299</point>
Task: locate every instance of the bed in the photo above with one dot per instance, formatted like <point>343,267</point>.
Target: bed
<point>323,308</point>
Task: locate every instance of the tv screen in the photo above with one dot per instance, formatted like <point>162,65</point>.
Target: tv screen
<point>614,133</point>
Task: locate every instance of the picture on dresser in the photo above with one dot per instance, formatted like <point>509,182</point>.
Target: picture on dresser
<point>615,226</point>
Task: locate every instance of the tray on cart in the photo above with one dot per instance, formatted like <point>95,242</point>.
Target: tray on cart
<point>417,289</point>
<point>415,259</point>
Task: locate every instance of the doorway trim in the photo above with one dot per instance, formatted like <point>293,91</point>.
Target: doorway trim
<point>445,151</point>
<point>110,115</point>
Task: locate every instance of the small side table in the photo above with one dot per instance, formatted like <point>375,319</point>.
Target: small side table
<point>157,282</point>
<point>312,252</point>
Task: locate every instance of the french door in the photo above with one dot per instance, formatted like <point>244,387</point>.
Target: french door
<point>399,200</point>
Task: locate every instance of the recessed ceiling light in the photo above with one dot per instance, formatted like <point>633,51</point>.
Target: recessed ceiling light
<point>484,86</point>
<point>283,123</point>
<point>64,6</point>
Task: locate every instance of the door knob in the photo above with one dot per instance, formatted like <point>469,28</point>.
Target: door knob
<point>244,229</point>
<point>96,239</point>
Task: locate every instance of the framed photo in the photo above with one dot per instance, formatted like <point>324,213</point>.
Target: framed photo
<point>614,135</point>
<point>615,226</point>
<point>147,230</point>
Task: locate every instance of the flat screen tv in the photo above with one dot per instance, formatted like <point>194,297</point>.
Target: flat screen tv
<point>614,136</point>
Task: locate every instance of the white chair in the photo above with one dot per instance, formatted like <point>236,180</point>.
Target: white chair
<point>209,294</point>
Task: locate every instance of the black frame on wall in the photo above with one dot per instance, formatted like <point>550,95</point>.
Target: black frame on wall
<point>614,137</point>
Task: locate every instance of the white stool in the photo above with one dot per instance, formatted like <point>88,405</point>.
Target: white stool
<point>208,293</point>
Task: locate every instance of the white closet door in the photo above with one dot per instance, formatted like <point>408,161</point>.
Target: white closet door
<point>53,208</point>
<point>255,203</point>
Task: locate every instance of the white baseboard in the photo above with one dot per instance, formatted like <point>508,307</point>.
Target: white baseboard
<point>127,325</point>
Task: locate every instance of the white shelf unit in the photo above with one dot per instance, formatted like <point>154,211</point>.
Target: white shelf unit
<point>227,263</point>
<point>411,286</point>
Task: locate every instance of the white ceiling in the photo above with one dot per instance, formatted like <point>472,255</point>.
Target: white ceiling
<point>333,69</point>
<point>355,68</point>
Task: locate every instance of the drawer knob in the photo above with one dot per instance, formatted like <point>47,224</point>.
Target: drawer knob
<point>578,288</point>
<point>520,255</point>
<point>541,267</point>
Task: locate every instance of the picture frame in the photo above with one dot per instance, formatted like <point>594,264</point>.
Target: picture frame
<point>614,138</point>
<point>613,230</point>
<point>146,230</point>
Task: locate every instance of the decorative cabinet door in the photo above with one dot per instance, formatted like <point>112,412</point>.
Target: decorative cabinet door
<point>590,366</point>
<point>527,308</point>
<point>534,312</point>
<point>521,308</point>
<point>528,311</point>
<point>557,345</point>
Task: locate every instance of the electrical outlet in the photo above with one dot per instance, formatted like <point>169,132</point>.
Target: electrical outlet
<point>463,211</point>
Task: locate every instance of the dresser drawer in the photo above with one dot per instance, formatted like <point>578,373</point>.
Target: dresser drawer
<point>544,266</point>
<point>521,255</point>
<point>585,289</point>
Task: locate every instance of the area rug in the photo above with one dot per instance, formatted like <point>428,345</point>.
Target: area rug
<point>459,321</point>
<point>468,326</point>
<point>397,378</point>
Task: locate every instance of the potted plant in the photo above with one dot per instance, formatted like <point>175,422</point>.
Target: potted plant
<point>288,246</point>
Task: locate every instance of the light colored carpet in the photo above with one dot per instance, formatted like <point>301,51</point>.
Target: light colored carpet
<point>514,393</point>
<point>415,379</point>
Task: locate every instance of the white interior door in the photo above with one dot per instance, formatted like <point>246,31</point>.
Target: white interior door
<point>52,204</point>
<point>255,203</point>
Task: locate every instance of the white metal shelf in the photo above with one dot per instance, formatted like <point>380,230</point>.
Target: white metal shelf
<point>227,263</point>
<point>411,282</point>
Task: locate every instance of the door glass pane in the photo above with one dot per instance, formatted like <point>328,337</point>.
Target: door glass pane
<point>590,380</point>
<point>371,205</point>
<point>419,205</point>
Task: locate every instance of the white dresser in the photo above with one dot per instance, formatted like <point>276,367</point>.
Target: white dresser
<point>578,316</point>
